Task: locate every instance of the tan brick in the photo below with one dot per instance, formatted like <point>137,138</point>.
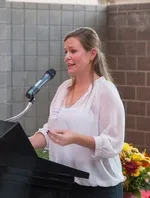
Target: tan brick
<point>112,62</point>
<point>127,7</point>
<point>143,123</point>
<point>148,108</point>
<point>143,93</point>
<point>135,138</point>
<point>116,48</point>
<point>127,63</point>
<point>143,63</point>
<point>136,19</point>
<point>144,6</point>
<point>135,78</point>
<point>148,78</point>
<point>130,122</point>
<point>127,92</point>
<point>148,140</point>
<point>119,77</point>
<point>148,150</point>
<point>136,108</point>
<point>112,8</point>
<point>117,19</point>
<point>112,33</point>
<point>127,33</point>
<point>148,48</point>
<point>136,48</point>
<point>143,33</point>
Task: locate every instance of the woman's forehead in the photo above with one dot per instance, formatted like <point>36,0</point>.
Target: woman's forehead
<point>72,42</point>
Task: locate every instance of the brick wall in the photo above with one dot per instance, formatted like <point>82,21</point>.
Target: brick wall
<point>129,58</point>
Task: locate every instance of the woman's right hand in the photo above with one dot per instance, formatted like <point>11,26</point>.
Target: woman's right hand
<point>38,141</point>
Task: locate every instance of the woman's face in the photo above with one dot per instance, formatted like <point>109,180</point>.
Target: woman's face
<point>78,60</point>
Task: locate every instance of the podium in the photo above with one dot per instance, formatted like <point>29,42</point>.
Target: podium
<point>25,175</point>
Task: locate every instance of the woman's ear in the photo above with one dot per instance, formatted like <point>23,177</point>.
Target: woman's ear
<point>93,54</point>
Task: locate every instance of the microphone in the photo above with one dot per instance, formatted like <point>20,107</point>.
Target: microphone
<point>49,75</point>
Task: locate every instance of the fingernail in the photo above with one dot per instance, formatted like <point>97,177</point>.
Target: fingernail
<point>47,131</point>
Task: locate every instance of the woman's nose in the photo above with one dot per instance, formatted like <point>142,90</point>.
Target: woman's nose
<point>67,56</point>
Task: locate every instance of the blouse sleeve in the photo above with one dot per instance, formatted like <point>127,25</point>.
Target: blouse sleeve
<point>111,123</point>
<point>43,130</point>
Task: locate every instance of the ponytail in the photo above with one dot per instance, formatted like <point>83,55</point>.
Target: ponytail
<point>101,67</point>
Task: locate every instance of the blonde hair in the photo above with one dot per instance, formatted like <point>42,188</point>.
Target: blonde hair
<point>89,40</point>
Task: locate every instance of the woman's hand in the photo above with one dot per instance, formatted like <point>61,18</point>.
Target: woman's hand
<point>62,137</point>
<point>66,137</point>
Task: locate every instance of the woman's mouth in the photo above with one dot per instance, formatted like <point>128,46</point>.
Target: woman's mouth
<point>70,66</point>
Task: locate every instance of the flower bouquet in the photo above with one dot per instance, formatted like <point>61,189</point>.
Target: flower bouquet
<point>42,153</point>
<point>136,170</point>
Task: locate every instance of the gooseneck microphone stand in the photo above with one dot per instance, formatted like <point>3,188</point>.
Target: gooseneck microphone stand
<point>49,75</point>
<point>31,101</point>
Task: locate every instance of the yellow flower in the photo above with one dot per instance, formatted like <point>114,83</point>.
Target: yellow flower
<point>126,147</point>
<point>137,157</point>
<point>124,172</point>
<point>135,150</point>
<point>147,159</point>
<point>137,173</point>
<point>128,159</point>
<point>141,168</point>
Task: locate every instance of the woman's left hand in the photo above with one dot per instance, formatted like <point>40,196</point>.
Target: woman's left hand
<point>62,137</point>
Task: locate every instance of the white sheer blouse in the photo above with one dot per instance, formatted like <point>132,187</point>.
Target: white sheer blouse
<point>98,113</point>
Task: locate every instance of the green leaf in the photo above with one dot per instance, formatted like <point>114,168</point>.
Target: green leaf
<point>137,193</point>
<point>42,153</point>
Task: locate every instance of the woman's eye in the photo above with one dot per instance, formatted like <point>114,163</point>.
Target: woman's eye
<point>73,51</point>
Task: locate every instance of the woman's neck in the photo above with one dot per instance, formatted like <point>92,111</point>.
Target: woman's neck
<point>84,80</point>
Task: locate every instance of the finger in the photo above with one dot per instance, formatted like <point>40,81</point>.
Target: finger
<point>55,135</point>
<point>59,132</point>
<point>51,133</point>
<point>56,141</point>
<point>51,137</point>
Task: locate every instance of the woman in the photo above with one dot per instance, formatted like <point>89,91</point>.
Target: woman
<point>86,125</point>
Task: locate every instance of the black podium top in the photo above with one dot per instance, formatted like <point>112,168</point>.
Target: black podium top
<point>18,156</point>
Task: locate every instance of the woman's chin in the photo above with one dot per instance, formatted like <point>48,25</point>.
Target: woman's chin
<point>71,73</point>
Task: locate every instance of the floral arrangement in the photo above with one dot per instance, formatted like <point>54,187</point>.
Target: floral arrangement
<point>136,169</point>
<point>42,153</point>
